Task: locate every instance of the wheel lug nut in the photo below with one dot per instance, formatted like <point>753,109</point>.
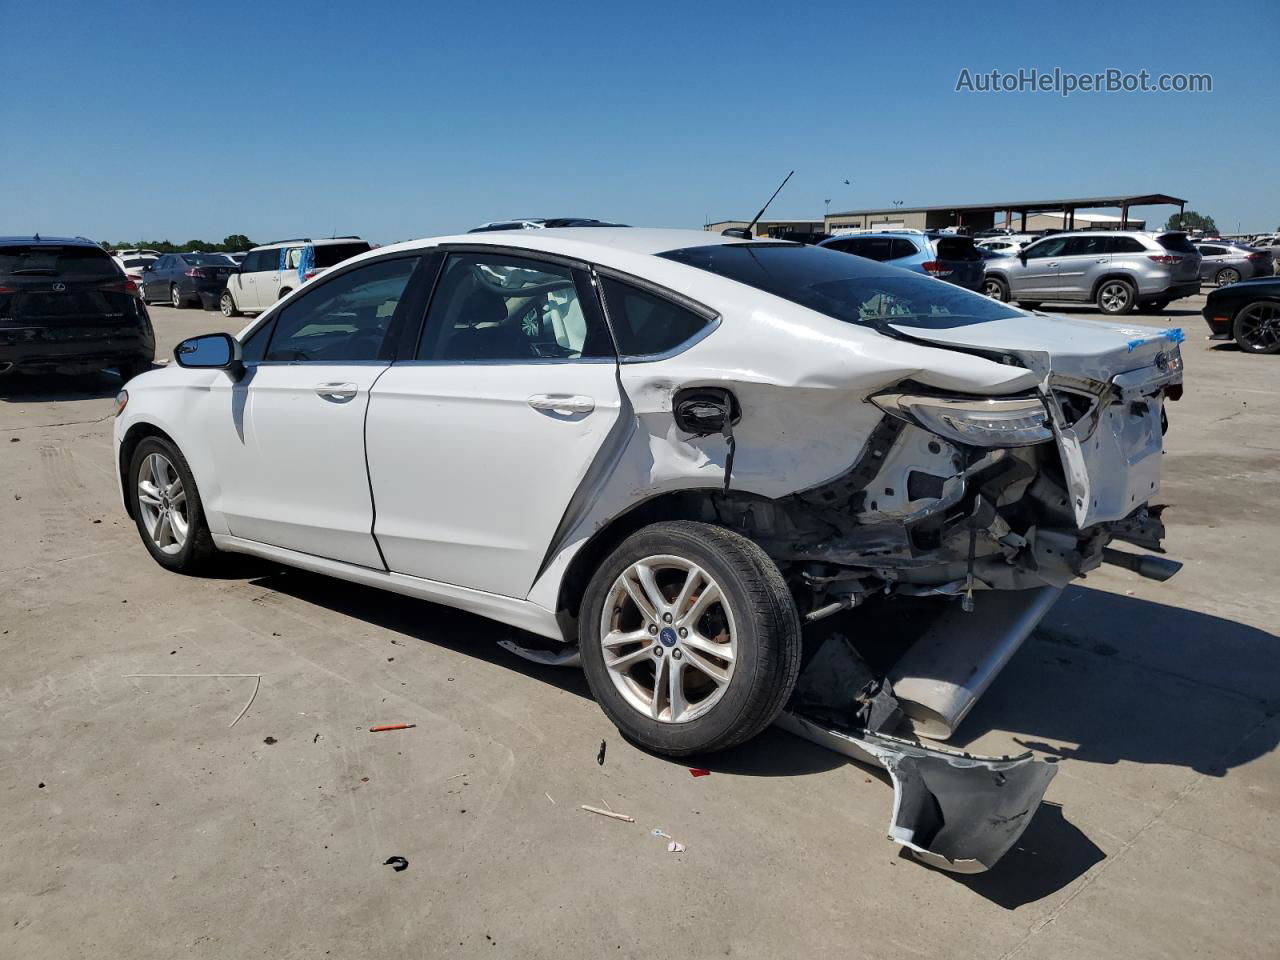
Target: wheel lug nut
<point>657,651</point>
<point>666,618</point>
<point>676,654</point>
<point>683,633</point>
<point>653,628</point>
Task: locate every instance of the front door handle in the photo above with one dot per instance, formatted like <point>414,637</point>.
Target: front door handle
<point>337,392</point>
<point>1052,263</point>
<point>562,403</point>
<point>1102,260</point>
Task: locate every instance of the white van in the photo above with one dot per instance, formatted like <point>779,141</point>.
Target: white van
<point>273,270</point>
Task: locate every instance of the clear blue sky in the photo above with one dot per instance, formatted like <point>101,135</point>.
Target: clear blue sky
<point>396,120</point>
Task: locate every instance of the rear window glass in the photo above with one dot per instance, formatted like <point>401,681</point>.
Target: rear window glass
<point>1124,245</point>
<point>46,260</point>
<point>331,254</point>
<point>207,259</point>
<point>1177,242</point>
<point>846,288</point>
<point>957,248</point>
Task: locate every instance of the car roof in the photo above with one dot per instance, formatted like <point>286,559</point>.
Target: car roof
<point>322,242</point>
<point>590,245</point>
<point>37,240</point>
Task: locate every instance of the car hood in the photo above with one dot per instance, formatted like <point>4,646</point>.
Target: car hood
<point>1066,345</point>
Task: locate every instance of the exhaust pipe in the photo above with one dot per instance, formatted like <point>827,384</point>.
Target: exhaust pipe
<point>942,675</point>
<point>1143,564</point>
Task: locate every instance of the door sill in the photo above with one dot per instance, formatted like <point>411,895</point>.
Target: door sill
<point>517,613</point>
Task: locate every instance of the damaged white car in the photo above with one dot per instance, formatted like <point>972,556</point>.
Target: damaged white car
<point>669,453</point>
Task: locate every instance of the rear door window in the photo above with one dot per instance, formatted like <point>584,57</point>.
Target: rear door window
<point>1084,246</point>
<point>1124,245</point>
<point>1213,251</point>
<point>47,260</point>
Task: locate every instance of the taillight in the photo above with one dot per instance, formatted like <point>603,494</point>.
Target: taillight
<point>120,286</point>
<point>1165,258</point>
<point>308,275</point>
<point>934,269</point>
<point>1256,256</point>
<point>197,273</point>
<point>7,289</point>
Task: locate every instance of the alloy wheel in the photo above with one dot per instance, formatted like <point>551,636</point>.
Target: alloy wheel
<point>162,501</point>
<point>1257,327</point>
<point>993,290</point>
<point>175,296</point>
<point>669,639</point>
<point>1227,277</point>
<point>1114,297</point>
<point>227,305</point>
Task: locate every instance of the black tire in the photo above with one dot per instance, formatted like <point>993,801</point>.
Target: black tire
<point>996,289</point>
<point>176,298</point>
<point>1256,327</point>
<point>765,621</point>
<point>1029,304</point>
<point>132,369</point>
<point>227,304</point>
<point>1227,276</point>
<point>198,551</point>
<point>1116,297</point>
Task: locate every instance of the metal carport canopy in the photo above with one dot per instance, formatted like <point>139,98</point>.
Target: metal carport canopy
<point>1069,206</point>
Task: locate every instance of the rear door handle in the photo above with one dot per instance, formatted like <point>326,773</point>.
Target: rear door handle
<point>337,392</point>
<point>1102,260</point>
<point>562,403</point>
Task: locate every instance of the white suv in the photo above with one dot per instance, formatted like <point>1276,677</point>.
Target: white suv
<point>270,272</point>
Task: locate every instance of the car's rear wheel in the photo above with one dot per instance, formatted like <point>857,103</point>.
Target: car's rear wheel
<point>1116,297</point>
<point>175,297</point>
<point>1256,327</point>
<point>227,304</point>
<point>166,507</point>
<point>996,289</point>
<point>689,637</point>
<point>1227,276</point>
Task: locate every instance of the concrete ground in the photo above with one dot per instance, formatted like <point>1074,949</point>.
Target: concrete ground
<point>135,821</point>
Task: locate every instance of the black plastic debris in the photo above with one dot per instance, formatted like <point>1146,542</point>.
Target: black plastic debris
<point>600,755</point>
<point>396,863</point>
<point>271,741</point>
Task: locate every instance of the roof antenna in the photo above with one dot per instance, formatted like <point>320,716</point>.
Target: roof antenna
<point>744,233</point>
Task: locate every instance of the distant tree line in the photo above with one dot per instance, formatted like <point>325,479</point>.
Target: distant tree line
<point>237,241</point>
<point>1191,221</point>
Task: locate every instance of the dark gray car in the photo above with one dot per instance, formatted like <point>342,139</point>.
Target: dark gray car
<point>1226,263</point>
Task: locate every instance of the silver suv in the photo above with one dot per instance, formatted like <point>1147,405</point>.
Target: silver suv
<point>1117,270</point>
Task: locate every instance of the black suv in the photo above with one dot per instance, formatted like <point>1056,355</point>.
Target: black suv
<point>66,307</point>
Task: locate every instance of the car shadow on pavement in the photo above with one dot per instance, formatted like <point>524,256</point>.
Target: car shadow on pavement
<point>1108,678</point>
<point>54,387</point>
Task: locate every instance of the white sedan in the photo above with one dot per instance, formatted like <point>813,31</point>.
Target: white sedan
<point>667,452</point>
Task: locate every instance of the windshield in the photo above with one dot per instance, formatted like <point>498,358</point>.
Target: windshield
<point>48,260</point>
<point>847,288</point>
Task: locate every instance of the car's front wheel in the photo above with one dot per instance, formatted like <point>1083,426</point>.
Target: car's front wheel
<point>690,638</point>
<point>167,508</point>
<point>1256,327</point>
<point>1116,297</point>
<point>996,289</point>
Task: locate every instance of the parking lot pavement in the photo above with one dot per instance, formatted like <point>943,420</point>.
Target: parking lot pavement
<point>135,821</point>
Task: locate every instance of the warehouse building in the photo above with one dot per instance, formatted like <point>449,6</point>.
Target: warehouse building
<point>1060,214</point>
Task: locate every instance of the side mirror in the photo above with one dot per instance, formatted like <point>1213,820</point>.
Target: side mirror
<point>1023,257</point>
<point>213,351</point>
